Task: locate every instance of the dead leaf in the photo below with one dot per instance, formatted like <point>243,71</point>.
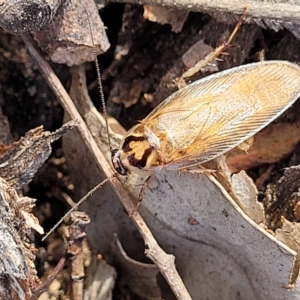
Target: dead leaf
<point>280,136</point>
<point>163,15</point>
<point>20,162</point>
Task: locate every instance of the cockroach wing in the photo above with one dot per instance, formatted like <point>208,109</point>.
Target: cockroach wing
<point>213,115</point>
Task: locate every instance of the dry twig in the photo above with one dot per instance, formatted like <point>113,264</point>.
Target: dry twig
<point>45,285</point>
<point>164,261</point>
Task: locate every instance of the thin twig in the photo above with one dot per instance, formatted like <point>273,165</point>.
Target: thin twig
<point>164,261</point>
<point>45,285</point>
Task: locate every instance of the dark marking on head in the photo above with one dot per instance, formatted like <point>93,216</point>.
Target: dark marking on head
<point>129,139</point>
<point>118,166</point>
<point>140,163</point>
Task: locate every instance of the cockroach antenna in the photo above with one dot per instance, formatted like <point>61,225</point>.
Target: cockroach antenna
<point>99,81</point>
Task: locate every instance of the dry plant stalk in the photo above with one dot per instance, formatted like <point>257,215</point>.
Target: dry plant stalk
<point>164,261</point>
<point>77,246</point>
<point>45,285</point>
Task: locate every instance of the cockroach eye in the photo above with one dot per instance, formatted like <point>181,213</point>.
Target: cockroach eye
<point>117,164</point>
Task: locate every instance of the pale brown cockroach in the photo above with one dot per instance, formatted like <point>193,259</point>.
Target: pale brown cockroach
<point>208,117</point>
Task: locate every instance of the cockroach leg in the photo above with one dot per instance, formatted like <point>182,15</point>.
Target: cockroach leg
<point>211,56</point>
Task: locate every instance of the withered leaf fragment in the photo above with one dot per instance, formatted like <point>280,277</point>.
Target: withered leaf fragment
<point>22,159</point>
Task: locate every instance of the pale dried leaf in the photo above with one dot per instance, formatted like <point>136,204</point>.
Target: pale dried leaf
<point>101,280</point>
<point>32,222</point>
<point>245,190</point>
<point>281,136</point>
<point>195,53</point>
<point>162,15</point>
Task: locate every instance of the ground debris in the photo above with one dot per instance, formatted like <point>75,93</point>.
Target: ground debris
<point>18,275</point>
<point>20,161</point>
